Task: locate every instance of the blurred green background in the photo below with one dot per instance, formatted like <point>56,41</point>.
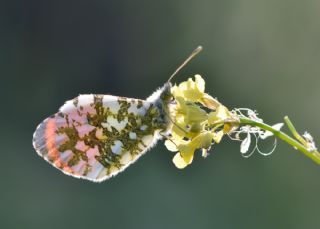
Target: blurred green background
<point>258,54</point>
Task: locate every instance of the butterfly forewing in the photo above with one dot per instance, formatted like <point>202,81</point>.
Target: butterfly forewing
<point>96,136</point>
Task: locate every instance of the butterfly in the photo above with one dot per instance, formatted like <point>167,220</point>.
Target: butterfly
<point>95,137</point>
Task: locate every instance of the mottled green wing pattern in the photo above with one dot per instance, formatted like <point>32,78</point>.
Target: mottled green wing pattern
<point>97,136</point>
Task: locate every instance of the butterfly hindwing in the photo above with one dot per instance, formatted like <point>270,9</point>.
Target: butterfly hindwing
<point>97,136</point>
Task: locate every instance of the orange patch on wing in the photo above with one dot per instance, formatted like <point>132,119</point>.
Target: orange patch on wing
<point>53,153</point>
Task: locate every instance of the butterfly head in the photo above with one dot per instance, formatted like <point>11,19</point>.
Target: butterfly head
<point>163,100</point>
<point>166,95</point>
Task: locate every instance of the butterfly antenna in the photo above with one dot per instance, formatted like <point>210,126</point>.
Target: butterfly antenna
<point>193,54</point>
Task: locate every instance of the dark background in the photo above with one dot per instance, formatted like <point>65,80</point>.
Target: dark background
<point>258,54</point>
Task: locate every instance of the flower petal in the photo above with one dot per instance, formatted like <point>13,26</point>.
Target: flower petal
<point>200,84</point>
<point>197,127</point>
<point>177,132</point>
<point>195,114</point>
<point>245,144</point>
<point>220,115</point>
<point>170,146</point>
<point>218,136</point>
<point>176,92</point>
<point>186,152</point>
<point>178,161</point>
<point>203,140</point>
<point>209,101</point>
<point>204,153</point>
<point>191,90</point>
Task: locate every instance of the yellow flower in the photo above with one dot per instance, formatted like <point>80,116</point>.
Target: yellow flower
<point>209,102</point>
<point>221,113</point>
<point>190,112</point>
<point>187,148</point>
<point>203,140</point>
<point>190,90</point>
<point>194,127</point>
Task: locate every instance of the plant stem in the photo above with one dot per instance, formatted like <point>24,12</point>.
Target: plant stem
<point>293,131</point>
<point>314,155</point>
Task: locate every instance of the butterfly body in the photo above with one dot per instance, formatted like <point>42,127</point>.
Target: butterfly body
<point>95,137</point>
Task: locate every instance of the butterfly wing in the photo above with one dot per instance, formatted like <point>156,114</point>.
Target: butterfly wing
<point>95,137</point>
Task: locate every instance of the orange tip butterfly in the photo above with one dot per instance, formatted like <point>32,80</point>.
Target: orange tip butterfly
<point>95,137</point>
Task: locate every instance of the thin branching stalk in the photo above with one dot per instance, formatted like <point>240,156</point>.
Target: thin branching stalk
<point>299,144</point>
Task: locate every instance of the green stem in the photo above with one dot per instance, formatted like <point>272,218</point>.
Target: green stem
<point>314,155</point>
<point>294,131</point>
